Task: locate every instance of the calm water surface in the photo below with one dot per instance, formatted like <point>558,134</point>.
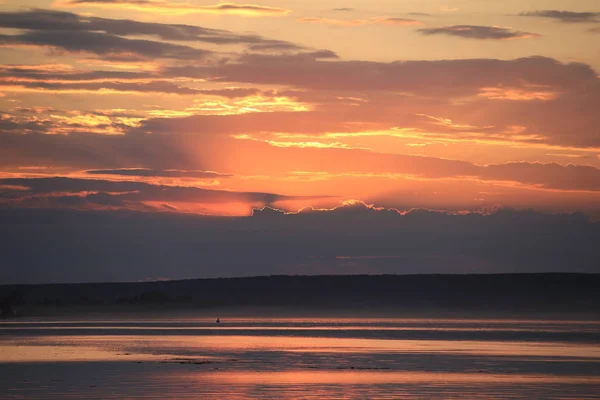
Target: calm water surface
<point>299,358</point>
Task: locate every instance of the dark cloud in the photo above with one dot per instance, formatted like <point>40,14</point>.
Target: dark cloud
<point>343,9</point>
<point>478,32</point>
<point>315,55</point>
<point>396,21</point>
<point>442,78</point>
<point>89,150</point>
<point>107,45</point>
<point>124,246</point>
<point>47,20</point>
<point>274,46</point>
<point>39,19</point>
<point>41,121</point>
<point>58,20</point>
<point>419,14</point>
<point>147,87</point>
<point>33,72</point>
<point>78,202</point>
<point>157,86</point>
<point>552,176</point>
<point>33,77</point>
<point>170,173</point>
<point>120,192</point>
<point>564,16</point>
<point>9,124</point>
<point>248,7</point>
<point>290,122</point>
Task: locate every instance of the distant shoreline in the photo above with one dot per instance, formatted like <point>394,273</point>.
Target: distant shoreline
<point>313,276</point>
<point>566,295</point>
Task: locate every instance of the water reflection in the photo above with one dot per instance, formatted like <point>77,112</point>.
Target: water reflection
<point>298,359</point>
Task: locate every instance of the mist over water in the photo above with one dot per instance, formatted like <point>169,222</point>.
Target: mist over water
<point>299,358</point>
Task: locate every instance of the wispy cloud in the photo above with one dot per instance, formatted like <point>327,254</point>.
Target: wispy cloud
<point>564,16</point>
<point>160,6</point>
<point>332,21</point>
<point>478,32</point>
<point>358,22</point>
<point>525,94</point>
<point>396,21</point>
<point>168,173</point>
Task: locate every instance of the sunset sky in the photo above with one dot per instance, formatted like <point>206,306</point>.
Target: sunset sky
<point>200,107</point>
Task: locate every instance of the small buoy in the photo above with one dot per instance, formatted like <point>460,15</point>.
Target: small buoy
<point>218,321</point>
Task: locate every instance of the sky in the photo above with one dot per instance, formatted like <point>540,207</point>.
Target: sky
<point>345,112</point>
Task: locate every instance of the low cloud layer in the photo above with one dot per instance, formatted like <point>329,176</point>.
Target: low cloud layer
<point>60,192</point>
<point>351,239</point>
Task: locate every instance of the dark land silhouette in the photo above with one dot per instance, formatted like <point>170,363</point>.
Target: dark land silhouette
<point>559,293</point>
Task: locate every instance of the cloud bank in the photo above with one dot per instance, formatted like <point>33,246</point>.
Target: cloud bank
<point>351,239</point>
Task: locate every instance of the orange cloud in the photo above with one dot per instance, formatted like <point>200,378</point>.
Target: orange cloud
<point>446,122</point>
<point>314,144</point>
<point>505,93</point>
<point>249,104</point>
<point>298,144</point>
<point>99,91</point>
<point>133,66</point>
